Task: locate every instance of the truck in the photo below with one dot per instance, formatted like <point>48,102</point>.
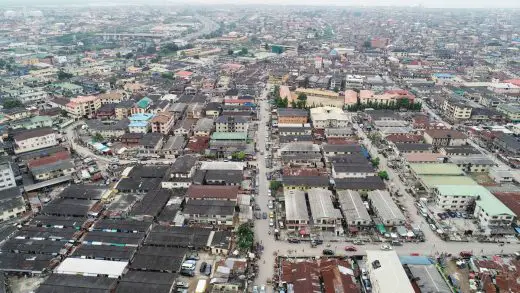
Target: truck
<point>201,286</point>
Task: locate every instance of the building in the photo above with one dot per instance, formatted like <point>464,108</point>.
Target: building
<point>209,212</point>
<point>329,117</point>
<point>386,273</point>
<point>12,204</point>
<point>511,111</point>
<point>123,109</point>
<point>212,192</point>
<point>52,170</point>
<point>231,124</point>
<point>507,143</point>
<point>83,106</point>
<point>456,197</point>
<point>353,170</point>
<point>296,214</point>
<point>34,139</point>
<point>140,123</point>
<point>304,182</point>
<point>162,122</point>
<point>7,178</point>
<point>474,163</point>
<point>181,172</point>
<point>324,215</point>
<point>493,216</point>
<point>203,127</point>
<point>111,98</point>
<point>292,116</point>
<point>385,208</point>
<point>444,137</point>
<point>455,109</point>
<point>355,212</point>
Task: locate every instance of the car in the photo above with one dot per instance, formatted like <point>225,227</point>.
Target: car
<point>271,222</point>
<point>358,242</point>
<point>255,289</point>
<point>466,254</point>
<point>264,215</point>
<point>203,267</point>
<point>207,271</point>
<point>271,215</point>
<point>262,289</point>
<point>414,254</point>
<point>187,273</point>
<point>397,243</point>
<point>180,284</point>
<point>328,252</point>
<point>386,247</point>
<point>318,241</point>
<point>350,248</point>
<point>193,256</point>
<point>433,227</point>
<point>257,207</point>
<point>459,214</point>
<point>452,214</point>
<point>293,240</point>
<point>258,215</point>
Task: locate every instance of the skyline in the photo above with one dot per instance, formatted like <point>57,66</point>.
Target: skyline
<point>476,4</point>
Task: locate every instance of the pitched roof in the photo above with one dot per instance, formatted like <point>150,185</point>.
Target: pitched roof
<point>212,191</point>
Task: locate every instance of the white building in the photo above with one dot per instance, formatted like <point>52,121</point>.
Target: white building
<point>455,197</point>
<point>355,212</point>
<point>385,208</point>
<point>7,179</point>
<point>324,215</point>
<point>296,215</point>
<point>386,273</point>
<point>329,117</point>
<point>34,139</point>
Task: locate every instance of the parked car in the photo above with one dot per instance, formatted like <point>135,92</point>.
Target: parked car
<point>180,284</point>
<point>397,243</point>
<point>193,256</point>
<point>255,289</point>
<point>187,273</point>
<point>203,267</point>
<point>293,240</point>
<point>262,289</point>
<point>358,242</point>
<point>350,248</point>
<point>271,222</point>
<point>271,215</point>
<point>264,215</point>
<point>466,254</point>
<point>207,271</point>
<point>328,252</point>
<point>452,214</point>
<point>257,207</point>
<point>386,247</point>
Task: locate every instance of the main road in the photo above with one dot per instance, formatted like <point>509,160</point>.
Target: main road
<point>266,265</point>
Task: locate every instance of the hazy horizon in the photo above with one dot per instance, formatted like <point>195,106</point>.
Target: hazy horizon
<point>358,3</point>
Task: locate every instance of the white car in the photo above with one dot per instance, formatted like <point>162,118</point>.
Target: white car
<point>386,247</point>
<point>262,289</point>
<point>271,222</point>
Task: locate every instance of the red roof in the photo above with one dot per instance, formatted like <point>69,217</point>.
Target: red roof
<point>212,192</point>
<point>49,160</point>
<point>238,101</point>
<point>510,199</point>
<point>184,73</point>
<point>407,138</point>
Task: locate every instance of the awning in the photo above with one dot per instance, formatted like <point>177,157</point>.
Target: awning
<point>381,228</point>
<point>353,229</point>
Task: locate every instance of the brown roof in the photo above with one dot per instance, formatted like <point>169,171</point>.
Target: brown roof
<point>31,133</point>
<point>410,138</point>
<point>111,96</point>
<point>336,281</point>
<point>510,199</point>
<point>162,117</point>
<point>423,157</point>
<point>445,133</point>
<point>48,160</point>
<point>212,191</point>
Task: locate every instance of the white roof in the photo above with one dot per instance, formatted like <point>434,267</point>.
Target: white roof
<point>91,267</point>
<point>386,272</point>
<point>212,165</point>
<point>320,202</point>
<point>295,206</point>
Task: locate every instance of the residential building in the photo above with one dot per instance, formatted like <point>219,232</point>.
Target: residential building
<point>355,212</point>
<point>491,213</point>
<point>353,170</point>
<point>296,214</point>
<point>83,106</point>
<point>456,109</point>
<point>52,170</point>
<point>304,182</point>
<point>203,127</point>
<point>34,139</point>
<point>329,117</point>
<point>473,163</point>
<point>111,98</point>
<point>444,137</point>
<point>231,124</point>
<point>181,172</point>
<point>162,122</point>
<point>511,111</point>
<point>292,116</point>
<point>507,143</point>
<point>210,212</point>
<point>107,130</point>
<point>385,208</point>
<point>32,122</point>
<point>140,123</point>
<point>212,192</point>
<point>325,216</point>
<point>7,178</point>
<point>456,197</point>
<point>123,109</point>
<point>142,106</point>
<point>12,204</point>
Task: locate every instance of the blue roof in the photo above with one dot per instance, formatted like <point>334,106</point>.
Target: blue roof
<point>442,75</point>
<point>414,260</point>
<point>138,124</point>
<point>141,117</point>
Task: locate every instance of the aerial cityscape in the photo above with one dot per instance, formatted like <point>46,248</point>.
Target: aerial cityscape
<point>168,147</point>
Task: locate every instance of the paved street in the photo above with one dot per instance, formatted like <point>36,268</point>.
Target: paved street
<point>262,226</point>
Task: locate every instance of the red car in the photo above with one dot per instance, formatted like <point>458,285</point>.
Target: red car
<point>350,248</point>
<point>466,254</point>
<point>414,254</point>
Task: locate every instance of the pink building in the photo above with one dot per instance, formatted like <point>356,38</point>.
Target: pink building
<point>162,122</point>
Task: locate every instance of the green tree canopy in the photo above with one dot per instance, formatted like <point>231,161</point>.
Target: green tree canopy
<point>245,237</point>
<point>11,103</point>
<point>62,75</point>
<point>302,96</point>
<point>275,185</point>
<point>383,175</point>
<point>97,137</point>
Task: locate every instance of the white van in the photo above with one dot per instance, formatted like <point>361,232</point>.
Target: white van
<point>188,266</point>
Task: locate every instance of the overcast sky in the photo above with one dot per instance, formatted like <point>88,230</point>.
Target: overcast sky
<point>425,3</point>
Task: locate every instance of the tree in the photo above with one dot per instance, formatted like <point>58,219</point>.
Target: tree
<point>245,237</point>
<point>375,162</point>
<point>11,103</point>
<point>243,51</point>
<point>230,52</point>
<point>367,44</point>
<point>336,89</point>
<point>129,55</point>
<point>97,137</point>
<point>240,156</point>
<point>118,55</point>
<point>293,104</point>
<point>167,75</point>
<point>266,46</point>
<point>62,75</point>
<point>275,185</point>
<point>64,113</point>
<point>383,175</point>
<point>302,96</point>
